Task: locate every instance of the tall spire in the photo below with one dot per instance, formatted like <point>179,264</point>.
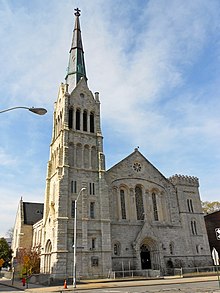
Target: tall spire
<point>76,68</point>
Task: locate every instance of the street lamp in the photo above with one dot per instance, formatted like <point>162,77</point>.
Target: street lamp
<point>74,237</point>
<point>39,111</point>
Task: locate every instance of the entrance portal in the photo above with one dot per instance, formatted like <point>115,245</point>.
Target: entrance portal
<point>145,258</point>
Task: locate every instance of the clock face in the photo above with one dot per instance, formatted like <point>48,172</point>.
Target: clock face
<point>137,167</point>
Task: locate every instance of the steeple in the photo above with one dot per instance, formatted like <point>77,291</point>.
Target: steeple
<point>76,68</point>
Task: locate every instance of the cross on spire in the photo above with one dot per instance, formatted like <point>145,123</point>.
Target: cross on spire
<point>77,13</point>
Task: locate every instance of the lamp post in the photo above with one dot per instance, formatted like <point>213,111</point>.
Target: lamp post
<point>74,237</point>
<point>39,111</point>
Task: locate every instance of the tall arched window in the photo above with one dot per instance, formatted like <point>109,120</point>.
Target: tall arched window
<point>70,120</point>
<point>123,208</point>
<point>154,201</point>
<point>91,122</point>
<point>85,120</point>
<point>47,257</point>
<point>78,119</point>
<point>139,203</point>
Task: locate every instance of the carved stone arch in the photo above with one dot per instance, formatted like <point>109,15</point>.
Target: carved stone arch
<point>79,155</point>
<point>149,254</point>
<point>86,156</point>
<point>155,190</point>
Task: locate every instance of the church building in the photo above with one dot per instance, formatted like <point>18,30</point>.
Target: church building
<point>130,217</point>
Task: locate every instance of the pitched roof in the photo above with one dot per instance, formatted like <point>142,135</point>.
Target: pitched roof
<point>33,212</point>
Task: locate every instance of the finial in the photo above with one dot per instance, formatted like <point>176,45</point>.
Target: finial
<point>77,13</point>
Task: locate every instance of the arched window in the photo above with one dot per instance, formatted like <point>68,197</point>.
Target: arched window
<point>117,248</point>
<point>123,208</point>
<point>85,120</point>
<point>47,257</point>
<point>154,201</point>
<point>78,119</point>
<point>70,120</point>
<point>193,227</point>
<point>91,121</point>
<point>139,203</point>
<point>92,210</point>
<point>190,205</point>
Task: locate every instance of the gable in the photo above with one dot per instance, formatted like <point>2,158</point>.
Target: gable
<point>135,166</point>
<point>81,96</point>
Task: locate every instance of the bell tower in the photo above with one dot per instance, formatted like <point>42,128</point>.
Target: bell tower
<point>76,167</point>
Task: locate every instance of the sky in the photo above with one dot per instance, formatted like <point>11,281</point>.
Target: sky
<point>156,65</point>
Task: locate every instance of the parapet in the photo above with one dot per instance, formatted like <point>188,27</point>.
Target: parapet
<point>184,180</point>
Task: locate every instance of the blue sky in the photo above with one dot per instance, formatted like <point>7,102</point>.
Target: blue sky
<point>155,64</point>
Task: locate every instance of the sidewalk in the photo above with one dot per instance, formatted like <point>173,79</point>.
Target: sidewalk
<point>107,283</point>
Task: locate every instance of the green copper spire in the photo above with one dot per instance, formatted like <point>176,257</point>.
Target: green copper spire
<point>76,68</point>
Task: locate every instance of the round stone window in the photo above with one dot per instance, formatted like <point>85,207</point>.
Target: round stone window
<point>137,167</point>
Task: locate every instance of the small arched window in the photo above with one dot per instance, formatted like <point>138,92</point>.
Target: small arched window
<point>117,248</point>
<point>171,247</point>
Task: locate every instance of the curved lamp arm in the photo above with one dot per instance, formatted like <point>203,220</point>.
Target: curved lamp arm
<point>39,111</point>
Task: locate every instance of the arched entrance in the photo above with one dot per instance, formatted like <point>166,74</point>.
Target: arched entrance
<point>145,257</point>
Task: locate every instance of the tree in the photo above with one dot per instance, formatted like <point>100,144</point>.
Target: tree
<point>10,233</point>
<point>210,207</point>
<point>5,253</point>
<point>29,260</point>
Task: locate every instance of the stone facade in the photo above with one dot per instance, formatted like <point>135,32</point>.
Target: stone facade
<point>156,223</point>
<point>128,217</point>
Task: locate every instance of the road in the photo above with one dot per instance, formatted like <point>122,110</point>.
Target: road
<point>4,288</point>
<point>200,287</point>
